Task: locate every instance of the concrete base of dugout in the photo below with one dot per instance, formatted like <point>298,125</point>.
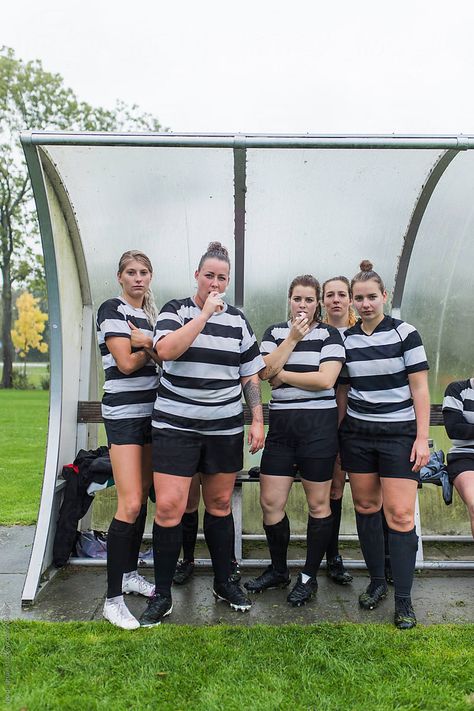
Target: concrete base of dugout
<point>77,593</point>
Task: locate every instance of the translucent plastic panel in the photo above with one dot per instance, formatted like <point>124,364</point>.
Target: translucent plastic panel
<point>440,280</point>
<point>322,211</point>
<point>168,202</point>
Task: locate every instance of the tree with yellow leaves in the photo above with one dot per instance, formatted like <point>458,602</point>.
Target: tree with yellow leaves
<point>29,326</point>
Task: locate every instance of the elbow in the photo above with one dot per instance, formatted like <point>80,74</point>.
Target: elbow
<point>163,352</point>
<point>263,374</point>
<point>125,368</point>
<point>326,383</point>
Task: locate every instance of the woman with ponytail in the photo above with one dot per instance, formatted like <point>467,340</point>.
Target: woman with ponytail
<point>210,358</point>
<point>384,438</point>
<point>124,330</point>
<point>303,358</point>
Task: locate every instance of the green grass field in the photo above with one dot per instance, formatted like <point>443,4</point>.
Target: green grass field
<point>326,667</point>
<point>23,428</point>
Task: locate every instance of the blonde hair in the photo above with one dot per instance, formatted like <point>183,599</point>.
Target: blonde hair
<point>148,305</point>
<point>352,316</point>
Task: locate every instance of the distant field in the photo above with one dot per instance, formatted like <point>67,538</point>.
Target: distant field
<point>34,371</point>
<point>23,428</point>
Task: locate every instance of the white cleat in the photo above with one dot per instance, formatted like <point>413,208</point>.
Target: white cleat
<point>118,614</point>
<point>136,584</point>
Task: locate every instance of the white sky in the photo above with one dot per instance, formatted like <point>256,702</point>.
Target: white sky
<point>363,66</point>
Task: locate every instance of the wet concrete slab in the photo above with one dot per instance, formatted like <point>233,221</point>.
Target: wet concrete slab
<point>77,593</point>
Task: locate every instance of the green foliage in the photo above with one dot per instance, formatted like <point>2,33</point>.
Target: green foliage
<point>328,667</point>
<point>20,380</point>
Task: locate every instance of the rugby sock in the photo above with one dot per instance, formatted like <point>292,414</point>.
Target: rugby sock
<point>403,547</point>
<point>190,522</point>
<point>278,538</point>
<point>166,546</point>
<point>333,545</point>
<point>218,532</point>
<point>119,543</point>
<point>139,527</point>
<point>370,531</point>
<point>318,533</point>
<point>385,538</point>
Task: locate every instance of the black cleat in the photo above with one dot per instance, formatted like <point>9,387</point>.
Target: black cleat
<point>268,580</point>
<point>159,606</point>
<point>232,594</point>
<point>183,572</point>
<point>235,571</point>
<point>404,614</point>
<point>375,593</point>
<point>335,571</point>
<point>301,592</point>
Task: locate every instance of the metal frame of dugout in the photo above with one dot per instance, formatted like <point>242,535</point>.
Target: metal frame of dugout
<point>320,194</point>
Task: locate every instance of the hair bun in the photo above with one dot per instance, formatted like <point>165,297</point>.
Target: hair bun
<point>217,247</point>
<point>366,266</point>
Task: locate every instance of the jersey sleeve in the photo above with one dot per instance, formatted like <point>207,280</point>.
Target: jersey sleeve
<point>333,348</point>
<point>251,361</point>
<point>268,344</point>
<point>168,320</point>
<point>414,354</point>
<point>111,322</point>
<point>453,413</point>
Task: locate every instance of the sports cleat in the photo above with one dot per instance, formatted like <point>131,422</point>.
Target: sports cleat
<point>158,607</point>
<point>301,592</point>
<point>335,571</point>
<point>375,593</point>
<point>118,614</point>
<point>388,571</point>
<point>233,594</point>
<point>268,580</point>
<point>404,614</point>
<point>136,584</point>
<point>235,571</point>
<point>183,572</point>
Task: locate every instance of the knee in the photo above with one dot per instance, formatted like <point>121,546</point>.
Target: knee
<point>169,511</point>
<point>219,505</point>
<point>337,490</point>
<point>129,508</point>
<point>367,505</point>
<point>320,509</point>
<point>400,518</point>
<point>271,505</point>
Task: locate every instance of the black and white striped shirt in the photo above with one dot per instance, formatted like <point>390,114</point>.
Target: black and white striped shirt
<point>458,414</point>
<point>323,343</point>
<point>125,395</point>
<point>377,369</point>
<point>200,391</point>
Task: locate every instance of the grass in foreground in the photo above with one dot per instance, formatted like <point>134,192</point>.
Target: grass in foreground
<point>23,428</point>
<point>95,667</point>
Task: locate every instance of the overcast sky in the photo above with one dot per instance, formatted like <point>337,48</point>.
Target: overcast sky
<point>261,66</point>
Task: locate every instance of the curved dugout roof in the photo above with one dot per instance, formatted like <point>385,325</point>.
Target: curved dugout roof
<point>284,205</point>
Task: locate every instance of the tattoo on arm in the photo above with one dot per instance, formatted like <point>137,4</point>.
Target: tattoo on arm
<point>252,394</point>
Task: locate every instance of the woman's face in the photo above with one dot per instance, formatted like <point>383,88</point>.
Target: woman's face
<point>336,300</point>
<point>303,301</point>
<point>213,276</point>
<point>369,300</point>
<point>135,280</point>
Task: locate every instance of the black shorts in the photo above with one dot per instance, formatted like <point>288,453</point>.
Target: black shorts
<point>186,453</point>
<point>458,466</point>
<point>387,455</point>
<point>307,438</point>
<point>133,430</point>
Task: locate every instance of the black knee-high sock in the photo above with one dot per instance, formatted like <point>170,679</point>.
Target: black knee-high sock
<point>370,531</point>
<point>333,545</point>
<point>166,546</point>
<point>119,542</point>
<point>139,527</point>
<point>218,534</point>
<point>385,537</point>
<point>233,539</point>
<point>190,523</point>
<point>403,547</point>
<point>278,539</point>
<point>318,533</point>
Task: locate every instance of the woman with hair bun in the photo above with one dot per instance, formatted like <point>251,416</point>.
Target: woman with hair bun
<point>210,356</point>
<point>303,358</point>
<point>124,331</point>
<point>384,438</point>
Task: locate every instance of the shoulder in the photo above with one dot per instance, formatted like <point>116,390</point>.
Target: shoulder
<point>277,329</point>
<point>401,327</point>
<point>351,331</point>
<point>109,307</point>
<point>174,305</point>
<point>457,388</point>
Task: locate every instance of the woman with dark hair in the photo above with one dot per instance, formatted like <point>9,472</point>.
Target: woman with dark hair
<point>337,302</point>
<point>210,356</point>
<point>384,438</point>
<point>458,414</point>
<point>303,358</point>
<point>124,331</point>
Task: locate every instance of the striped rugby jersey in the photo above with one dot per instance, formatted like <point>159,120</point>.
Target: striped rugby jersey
<point>323,343</point>
<point>458,413</point>
<point>200,391</point>
<point>125,395</point>
<point>377,369</point>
